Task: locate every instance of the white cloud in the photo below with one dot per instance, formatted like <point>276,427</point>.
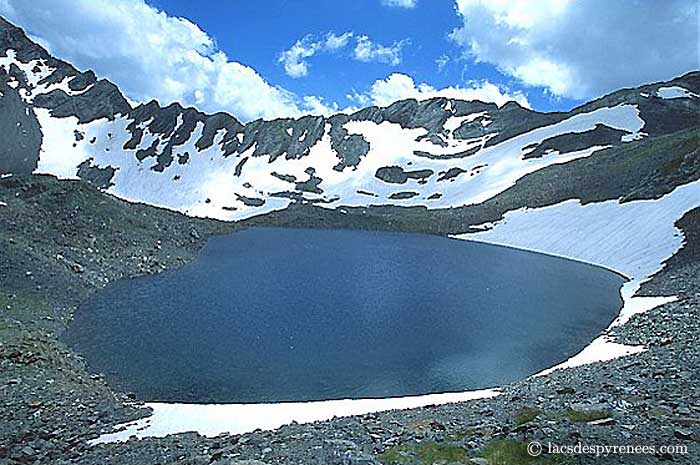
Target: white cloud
<point>441,62</point>
<point>294,59</point>
<point>334,42</point>
<point>152,55</point>
<point>367,51</point>
<point>582,49</point>
<point>401,86</point>
<point>316,106</point>
<point>400,3</point>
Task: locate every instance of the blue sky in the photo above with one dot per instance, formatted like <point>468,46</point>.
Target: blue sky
<point>282,58</point>
<point>257,32</point>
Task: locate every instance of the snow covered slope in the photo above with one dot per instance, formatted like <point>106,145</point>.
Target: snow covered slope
<point>435,153</point>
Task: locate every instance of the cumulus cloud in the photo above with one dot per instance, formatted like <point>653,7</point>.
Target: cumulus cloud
<point>400,3</point>
<point>294,59</point>
<point>401,86</point>
<point>367,51</point>
<point>152,55</point>
<point>581,49</point>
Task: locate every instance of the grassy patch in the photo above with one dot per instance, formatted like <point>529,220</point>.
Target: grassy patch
<point>23,306</point>
<point>507,452</point>
<point>526,416</point>
<point>20,301</point>
<point>396,455</point>
<point>582,416</point>
<point>432,452</point>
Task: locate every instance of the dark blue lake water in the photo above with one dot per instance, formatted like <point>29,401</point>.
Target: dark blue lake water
<point>268,315</point>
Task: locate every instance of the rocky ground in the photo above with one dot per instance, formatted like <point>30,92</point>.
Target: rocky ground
<point>60,241</point>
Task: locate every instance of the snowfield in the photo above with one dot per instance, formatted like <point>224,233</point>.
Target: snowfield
<point>632,238</point>
<point>206,186</point>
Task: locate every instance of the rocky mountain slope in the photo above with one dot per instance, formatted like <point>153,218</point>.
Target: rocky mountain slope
<point>436,153</point>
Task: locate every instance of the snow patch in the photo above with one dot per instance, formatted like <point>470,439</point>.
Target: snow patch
<point>674,92</point>
<point>455,122</point>
<point>207,186</point>
<point>214,419</point>
<point>634,238</point>
<point>600,350</point>
<point>35,71</point>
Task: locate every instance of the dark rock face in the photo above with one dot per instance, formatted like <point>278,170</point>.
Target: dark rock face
<point>20,132</point>
<point>310,185</point>
<point>142,154</point>
<point>430,114</point>
<point>98,177</point>
<point>349,147</point>
<point>397,175</point>
<point>102,100</point>
<point>364,192</point>
<point>571,142</point>
<point>512,120</point>
<point>288,137</point>
<point>183,158</point>
<point>284,177</point>
<point>433,138</point>
<point>451,174</point>
<point>403,195</point>
<point>661,116</point>
<point>447,156</point>
<point>250,201</point>
<point>215,123</point>
<point>239,167</point>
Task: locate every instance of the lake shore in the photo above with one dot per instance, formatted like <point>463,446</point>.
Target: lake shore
<point>53,407</point>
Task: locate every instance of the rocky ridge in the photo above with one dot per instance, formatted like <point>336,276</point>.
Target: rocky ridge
<point>70,124</point>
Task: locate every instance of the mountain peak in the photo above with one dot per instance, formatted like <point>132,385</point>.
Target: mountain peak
<point>434,153</point>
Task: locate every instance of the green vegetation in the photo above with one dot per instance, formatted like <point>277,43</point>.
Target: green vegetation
<point>582,416</point>
<point>396,455</point>
<point>507,452</point>
<point>10,302</point>
<point>432,452</point>
<point>24,306</point>
<point>526,415</point>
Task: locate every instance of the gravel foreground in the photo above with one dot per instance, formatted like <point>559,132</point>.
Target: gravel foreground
<point>61,241</point>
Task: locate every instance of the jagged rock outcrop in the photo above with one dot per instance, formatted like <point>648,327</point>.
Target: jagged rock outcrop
<point>69,123</point>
